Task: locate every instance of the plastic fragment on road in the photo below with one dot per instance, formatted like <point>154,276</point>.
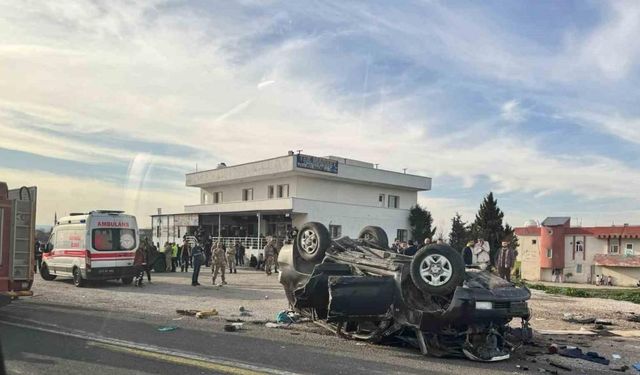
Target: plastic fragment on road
<point>287,317</point>
<point>636,366</point>
<point>206,313</point>
<point>273,325</point>
<point>616,356</point>
<point>167,328</point>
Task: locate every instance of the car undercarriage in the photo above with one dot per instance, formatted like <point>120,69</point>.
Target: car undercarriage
<point>363,291</point>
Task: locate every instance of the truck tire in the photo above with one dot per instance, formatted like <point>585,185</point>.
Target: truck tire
<point>127,280</point>
<point>437,269</point>
<point>312,241</point>
<point>375,235</point>
<point>78,281</point>
<point>44,273</point>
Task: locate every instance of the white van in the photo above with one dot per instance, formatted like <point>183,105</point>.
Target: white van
<point>99,245</point>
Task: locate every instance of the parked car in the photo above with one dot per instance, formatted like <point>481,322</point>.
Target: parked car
<point>366,291</point>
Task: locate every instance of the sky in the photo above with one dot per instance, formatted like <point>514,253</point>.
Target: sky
<point>107,104</point>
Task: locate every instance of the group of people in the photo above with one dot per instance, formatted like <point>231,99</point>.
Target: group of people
<point>605,280</point>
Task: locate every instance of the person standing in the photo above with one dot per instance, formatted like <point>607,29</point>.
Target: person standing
<point>232,254</point>
<point>198,259</point>
<point>243,251</point>
<point>186,257</point>
<point>218,263</point>
<point>139,265</point>
<point>505,261</point>
<point>168,251</point>
<point>481,252</point>
<point>174,257</point>
<point>467,254</point>
<point>411,249</point>
<point>260,262</point>
<point>237,248</point>
<point>37,254</point>
<point>149,258</point>
<point>269,256</point>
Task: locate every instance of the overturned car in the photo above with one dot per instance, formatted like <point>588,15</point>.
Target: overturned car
<point>364,291</point>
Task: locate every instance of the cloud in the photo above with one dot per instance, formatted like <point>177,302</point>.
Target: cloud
<point>64,194</point>
<point>512,111</point>
<point>187,76</point>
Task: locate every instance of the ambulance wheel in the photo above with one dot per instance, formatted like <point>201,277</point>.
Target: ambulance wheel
<point>77,278</point>
<point>127,280</point>
<point>44,272</point>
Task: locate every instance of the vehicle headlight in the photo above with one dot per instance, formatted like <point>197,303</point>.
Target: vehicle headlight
<point>484,305</point>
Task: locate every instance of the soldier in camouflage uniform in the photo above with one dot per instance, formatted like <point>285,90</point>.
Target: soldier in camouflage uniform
<point>269,256</point>
<point>231,259</point>
<point>218,262</point>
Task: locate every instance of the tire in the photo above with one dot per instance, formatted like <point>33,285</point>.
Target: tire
<point>312,241</point>
<point>375,235</point>
<point>437,269</point>
<point>78,281</point>
<point>127,280</point>
<point>44,273</point>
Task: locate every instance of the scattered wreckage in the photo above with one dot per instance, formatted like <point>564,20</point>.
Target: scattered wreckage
<point>363,291</point>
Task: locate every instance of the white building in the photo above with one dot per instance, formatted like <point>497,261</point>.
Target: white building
<point>269,197</point>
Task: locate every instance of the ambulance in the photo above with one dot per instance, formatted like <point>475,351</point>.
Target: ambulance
<point>99,245</point>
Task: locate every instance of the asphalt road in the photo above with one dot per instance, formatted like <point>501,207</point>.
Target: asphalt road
<point>39,339</point>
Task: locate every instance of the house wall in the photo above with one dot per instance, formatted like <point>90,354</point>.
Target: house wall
<point>622,276</point>
<point>529,257</point>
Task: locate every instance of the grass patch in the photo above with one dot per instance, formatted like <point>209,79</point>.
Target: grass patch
<point>629,295</point>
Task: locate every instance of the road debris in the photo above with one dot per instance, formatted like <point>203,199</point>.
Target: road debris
<point>200,314</point>
<point>560,366</point>
<point>604,322</point>
<point>167,328</point>
<point>206,313</point>
<point>622,368</point>
<point>577,318</point>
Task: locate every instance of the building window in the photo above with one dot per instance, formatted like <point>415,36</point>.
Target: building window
<point>205,198</point>
<point>578,268</point>
<point>402,234</point>
<point>335,230</point>
<point>394,201</point>
<point>549,253</point>
<point>579,246</point>
<point>381,200</point>
<point>217,197</point>
<point>533,242</point>
<point>158,231</point>
<point>247,194</point>
<point>628,249</point>
<point>283,191</point>
<point>271,192</point>
<point>614,249</point>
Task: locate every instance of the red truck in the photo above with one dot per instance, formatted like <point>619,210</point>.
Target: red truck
<point>17,241</point>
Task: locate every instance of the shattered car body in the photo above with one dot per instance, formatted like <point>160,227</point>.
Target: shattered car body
<point>366,292</point>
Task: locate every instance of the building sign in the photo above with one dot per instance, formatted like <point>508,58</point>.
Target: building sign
<point>317,164</point>
<point>190,220</point>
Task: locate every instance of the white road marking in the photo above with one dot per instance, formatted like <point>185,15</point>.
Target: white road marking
<point>139,346</point>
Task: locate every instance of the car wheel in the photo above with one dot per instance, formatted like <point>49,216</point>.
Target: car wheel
<point>312,241</point>
<point>437,269</point>
<point>127,280</point>
<point>44,272</point>
<point>77,278</point>
<point>375,235</point>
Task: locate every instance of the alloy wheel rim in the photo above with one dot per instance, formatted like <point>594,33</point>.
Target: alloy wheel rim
<point>436,270</point>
